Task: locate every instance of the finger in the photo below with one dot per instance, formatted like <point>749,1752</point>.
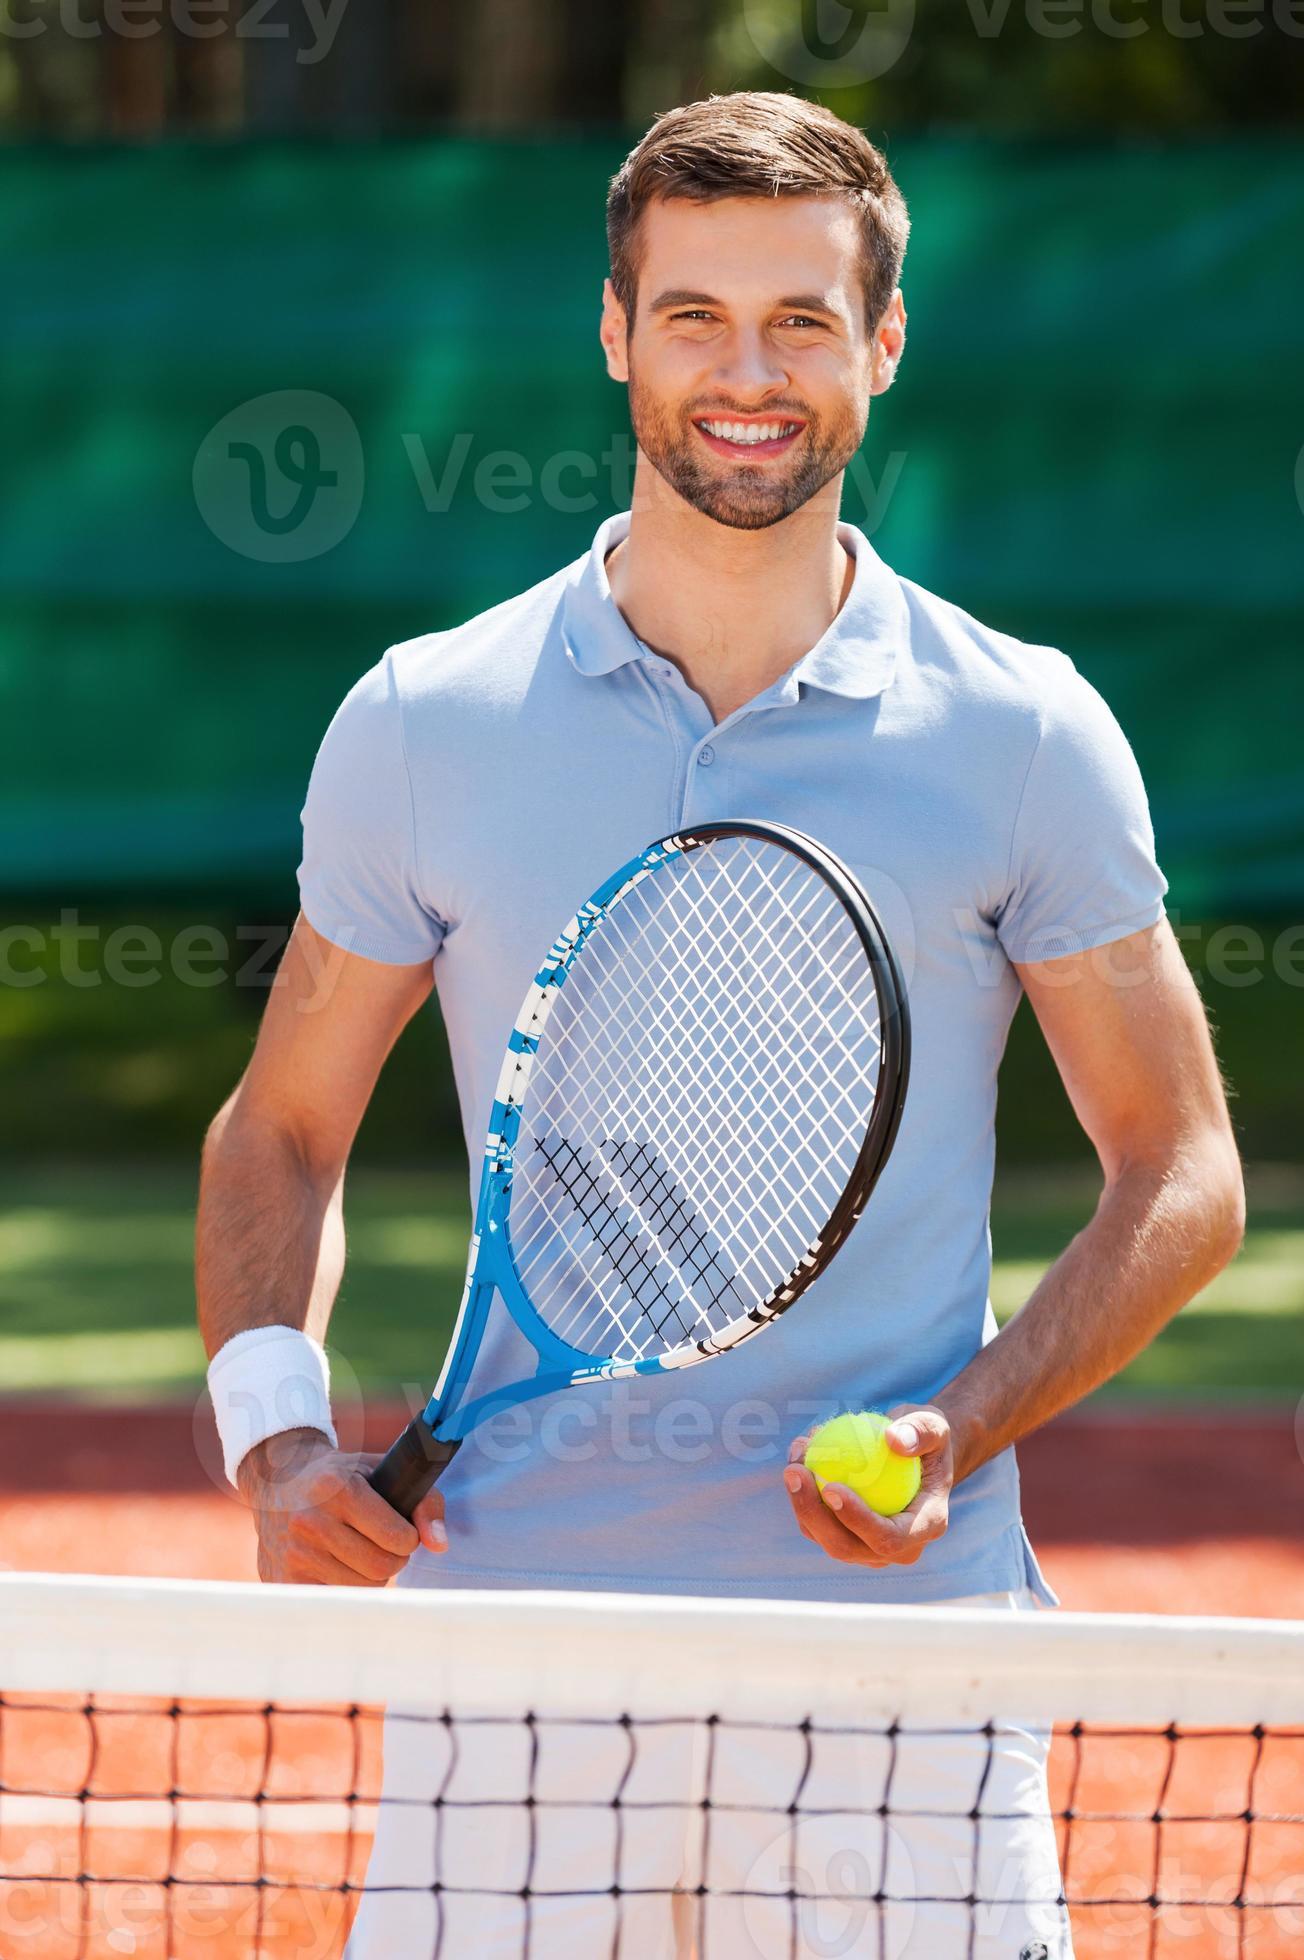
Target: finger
<point>332,1572</point>
<point>935,1480</point>
<point>819,1522</point>
<point>322,1568</point>
<point>903,1537</point>
<point>917,1432</point>
<point>429,1521</point>
<point>797,1449</point>
<point>846,1527</point>
<point>368,1513</point>
<point>936,1477</point>
<point>885,1537</point>
<point>330,1537</point>
<point>301,1559</point>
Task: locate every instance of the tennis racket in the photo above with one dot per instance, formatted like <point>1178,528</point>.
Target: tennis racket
<point>697,1099</point>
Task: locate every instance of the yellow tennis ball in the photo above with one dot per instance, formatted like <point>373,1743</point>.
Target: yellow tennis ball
<point>853,1450</point>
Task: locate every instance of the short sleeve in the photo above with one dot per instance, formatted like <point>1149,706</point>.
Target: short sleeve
<point>359,882</point>
<point>1082,863</point>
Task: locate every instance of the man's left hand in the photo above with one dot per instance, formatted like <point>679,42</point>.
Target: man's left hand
<point>843,1525</point>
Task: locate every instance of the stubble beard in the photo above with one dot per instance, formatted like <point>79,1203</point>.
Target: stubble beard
<point>746,497</point>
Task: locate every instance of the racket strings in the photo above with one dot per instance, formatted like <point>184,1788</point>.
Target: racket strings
<point>723,1065</point>
<point>712,1320</point>
<point>697,1105</point>
<point>720,1068</point>
<point>667,1229</point>
<point>675,1219</point>
<point>633,1256</point>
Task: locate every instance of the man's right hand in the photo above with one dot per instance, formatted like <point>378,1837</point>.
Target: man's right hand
<point>319,1521</point>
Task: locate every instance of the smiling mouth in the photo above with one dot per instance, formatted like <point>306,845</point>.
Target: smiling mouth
<point>732,437</point>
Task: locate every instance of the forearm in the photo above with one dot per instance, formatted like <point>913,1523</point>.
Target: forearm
<point>270,1233</point>
<point>1158,1235</point>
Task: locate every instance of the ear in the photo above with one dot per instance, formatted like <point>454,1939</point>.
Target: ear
<point>613,333</point>
<point>889,345</point>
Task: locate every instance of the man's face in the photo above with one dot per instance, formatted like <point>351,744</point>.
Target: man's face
<point>750,364</point>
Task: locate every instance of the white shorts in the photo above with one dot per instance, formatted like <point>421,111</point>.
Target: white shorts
<point>775,1886</point>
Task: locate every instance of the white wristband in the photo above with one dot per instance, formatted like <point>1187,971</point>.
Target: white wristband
<point>265,1381</point>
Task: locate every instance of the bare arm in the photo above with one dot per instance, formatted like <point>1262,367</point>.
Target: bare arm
<point>1128,1033</point>
<point>270,1236</point>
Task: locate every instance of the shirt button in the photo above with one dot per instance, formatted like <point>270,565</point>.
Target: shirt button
<point>705,757</point>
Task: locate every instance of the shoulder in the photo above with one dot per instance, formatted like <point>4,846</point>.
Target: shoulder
<point>491,656</point>
<point>452,678</point>
<point>982,664</point>
<point>1003,686</point>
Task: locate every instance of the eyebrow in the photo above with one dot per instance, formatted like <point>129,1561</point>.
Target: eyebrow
<point>793,302</point>
<point>809,303</point>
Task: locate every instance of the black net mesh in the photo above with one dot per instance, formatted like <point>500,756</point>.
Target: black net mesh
<point>163,1829</point>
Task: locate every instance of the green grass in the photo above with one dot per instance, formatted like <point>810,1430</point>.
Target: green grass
<point>96,1293</point>
<point>1242,1337</point>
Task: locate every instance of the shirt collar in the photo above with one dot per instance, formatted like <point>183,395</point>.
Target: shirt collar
<point>856,657</point>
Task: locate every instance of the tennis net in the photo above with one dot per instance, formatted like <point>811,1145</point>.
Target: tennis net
<point>196,1770</point>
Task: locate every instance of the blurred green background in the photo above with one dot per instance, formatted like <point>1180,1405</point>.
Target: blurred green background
<point>375,255</point>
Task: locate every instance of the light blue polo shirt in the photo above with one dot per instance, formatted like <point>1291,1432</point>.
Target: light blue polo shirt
<point>478,783</point>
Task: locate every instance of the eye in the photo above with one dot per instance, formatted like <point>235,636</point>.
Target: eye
<point>693,313</point>
<point>800,320</point>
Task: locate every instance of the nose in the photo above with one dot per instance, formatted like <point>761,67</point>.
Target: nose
<point>750,369</point>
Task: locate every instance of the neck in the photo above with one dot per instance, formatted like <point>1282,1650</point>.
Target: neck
<point>734,610</point>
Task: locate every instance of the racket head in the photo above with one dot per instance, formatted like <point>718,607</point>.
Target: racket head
<point>703,1087</point>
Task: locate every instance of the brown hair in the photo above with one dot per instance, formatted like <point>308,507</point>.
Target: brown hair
<point>757,144</point>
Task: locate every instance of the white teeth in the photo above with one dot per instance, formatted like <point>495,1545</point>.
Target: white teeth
<point>748,433</point>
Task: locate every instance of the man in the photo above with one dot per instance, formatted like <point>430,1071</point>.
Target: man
<point>731,649</point>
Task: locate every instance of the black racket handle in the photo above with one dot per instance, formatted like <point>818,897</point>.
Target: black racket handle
<point>411,1467</point>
